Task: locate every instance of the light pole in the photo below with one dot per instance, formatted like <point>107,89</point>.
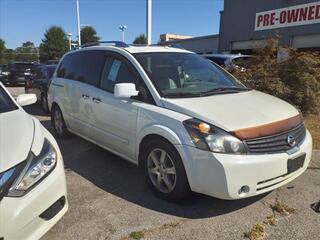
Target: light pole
<point>69,38</point>
<point>38,54</point>
<point>123,28</point>
<point>149,21</point>
<point>78,22</point>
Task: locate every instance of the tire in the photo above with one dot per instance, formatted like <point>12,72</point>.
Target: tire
<point>58,123</point>
<point>44,103</point>
<point>168,179</point>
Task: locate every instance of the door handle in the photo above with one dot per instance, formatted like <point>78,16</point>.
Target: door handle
<point>85,96</point>
<point>96,100</point>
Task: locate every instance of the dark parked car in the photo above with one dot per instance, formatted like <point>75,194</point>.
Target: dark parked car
<point>19,72</point>
<point>52,62</point>
<point>4,73</point>
<point>39,83</point>
<point>229,61</point>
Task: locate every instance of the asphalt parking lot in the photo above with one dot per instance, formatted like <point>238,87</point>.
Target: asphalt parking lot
<point>109,199</point>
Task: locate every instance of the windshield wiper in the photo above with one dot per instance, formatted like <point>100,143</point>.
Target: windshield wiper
<point>222,90</point>
<point>181,95</point>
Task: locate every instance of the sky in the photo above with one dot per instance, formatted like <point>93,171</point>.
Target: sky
<point>27,20</point>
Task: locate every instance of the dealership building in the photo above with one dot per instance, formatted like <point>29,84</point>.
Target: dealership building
<point>247,24</point>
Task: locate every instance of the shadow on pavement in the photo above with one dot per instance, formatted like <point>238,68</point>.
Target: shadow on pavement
<point>35,109</point>
<point>123,179</point>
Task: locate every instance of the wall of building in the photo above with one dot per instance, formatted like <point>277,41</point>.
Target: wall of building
<point>201,45</point>
<point>166,37</point>
<point>237,24</point>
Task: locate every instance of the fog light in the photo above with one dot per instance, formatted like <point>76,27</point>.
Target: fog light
<point>244,189</point>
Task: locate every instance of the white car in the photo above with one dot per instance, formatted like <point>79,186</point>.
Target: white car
<point>189,125</point>
<point>32,180</point>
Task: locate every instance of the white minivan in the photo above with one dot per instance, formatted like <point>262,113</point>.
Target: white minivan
<point>33,194</point>
<point>190,125</point>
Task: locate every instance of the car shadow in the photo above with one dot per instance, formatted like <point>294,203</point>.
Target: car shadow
<point>123,179</point>
<point>36,110</point>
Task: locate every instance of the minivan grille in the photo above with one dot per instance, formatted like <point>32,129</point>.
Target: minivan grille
<point>276,143</point>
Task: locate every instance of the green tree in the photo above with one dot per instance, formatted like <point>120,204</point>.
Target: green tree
<point>54,44</point>
<point>2,52</point>
<point>9,55</point>
<point>89,35</point>
<point>26,53</point>
<point>141,39</point>
<point>28,44</point>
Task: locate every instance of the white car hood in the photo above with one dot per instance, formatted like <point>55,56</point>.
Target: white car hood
<point>16,137</point>
<point>235,110</point>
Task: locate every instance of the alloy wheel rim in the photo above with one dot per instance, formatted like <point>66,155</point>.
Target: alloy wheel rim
<point>58,124</point>
<point>161,170</point>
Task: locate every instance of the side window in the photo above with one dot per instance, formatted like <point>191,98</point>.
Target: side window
<point>64,67</point>
<point>126,75</point>
<point>117,71</point>
<point>89,66</point>
<point>109,74</point>
<point>83,66</point>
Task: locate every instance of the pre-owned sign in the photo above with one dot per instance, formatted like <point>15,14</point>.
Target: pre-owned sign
<point>285,17</point>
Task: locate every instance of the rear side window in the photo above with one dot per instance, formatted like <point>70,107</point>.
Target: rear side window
<point>84,66</point>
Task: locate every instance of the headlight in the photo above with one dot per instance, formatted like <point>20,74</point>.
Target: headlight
<point>36,169</point>
<point>8,177</point>
<point>208,137</point>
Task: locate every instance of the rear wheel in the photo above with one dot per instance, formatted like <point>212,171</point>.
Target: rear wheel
<point>164,170</point>
<point>58,123</point>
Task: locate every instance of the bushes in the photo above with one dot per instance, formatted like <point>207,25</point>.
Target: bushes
<point>294,78</point>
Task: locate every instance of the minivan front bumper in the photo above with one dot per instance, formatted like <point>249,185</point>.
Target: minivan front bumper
<point>228,176</point>
<point>31,216</point>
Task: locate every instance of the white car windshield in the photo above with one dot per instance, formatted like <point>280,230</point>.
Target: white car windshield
<point>178,75</point>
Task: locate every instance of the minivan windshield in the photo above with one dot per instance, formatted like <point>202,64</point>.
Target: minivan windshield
<point>6,104</point>
<point>180,75</point>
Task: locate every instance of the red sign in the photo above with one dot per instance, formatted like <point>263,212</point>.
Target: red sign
<point>285,17</point>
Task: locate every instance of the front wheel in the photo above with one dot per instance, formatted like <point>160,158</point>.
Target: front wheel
<point>165,171</point>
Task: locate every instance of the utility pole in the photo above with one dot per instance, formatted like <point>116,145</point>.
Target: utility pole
<point>38,54</point>
<point>149,21</point>
<point>78,21</point>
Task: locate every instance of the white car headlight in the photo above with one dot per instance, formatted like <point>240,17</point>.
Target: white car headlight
<point>37,168</point>
<point>208,137</point>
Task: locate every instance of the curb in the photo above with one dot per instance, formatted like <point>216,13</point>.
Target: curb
<point>315,160</point>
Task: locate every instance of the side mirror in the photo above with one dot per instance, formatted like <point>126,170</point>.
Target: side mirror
<point>125,90</point>
<point>26,99</point>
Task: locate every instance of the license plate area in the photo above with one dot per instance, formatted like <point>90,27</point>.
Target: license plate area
<point>295,163</point>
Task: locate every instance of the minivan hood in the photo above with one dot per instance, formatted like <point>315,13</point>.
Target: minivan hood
<point>16,136</point>
<point>235,110</point>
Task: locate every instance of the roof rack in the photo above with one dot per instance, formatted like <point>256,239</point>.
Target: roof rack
<point>107,43</point>
<point>173,45</point>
